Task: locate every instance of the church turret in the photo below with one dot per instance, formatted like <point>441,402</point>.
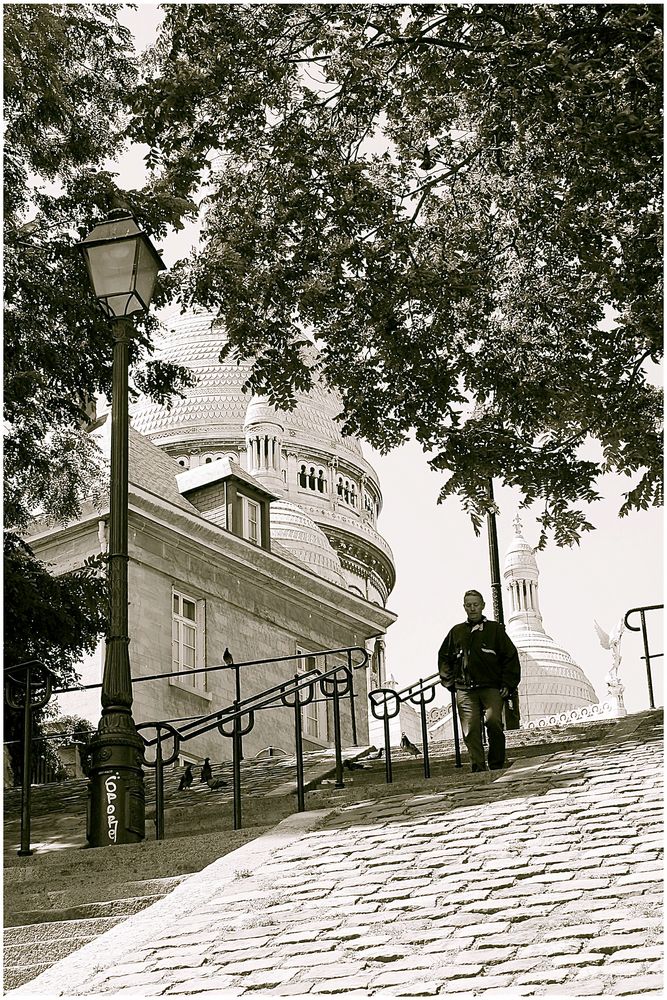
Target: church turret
<point>521,579</point>
<point>551,681</point>
<point>264,438</point>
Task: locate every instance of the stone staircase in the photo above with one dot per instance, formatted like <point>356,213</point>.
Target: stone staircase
<point>62,897</point>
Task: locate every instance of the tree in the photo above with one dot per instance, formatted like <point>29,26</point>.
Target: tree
<point>68,72</point>
<point>52,619</point>
<point>459,203</point>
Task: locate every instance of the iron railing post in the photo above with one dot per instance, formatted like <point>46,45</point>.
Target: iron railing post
<point>159,788</point>
<point>353,711</point>
<point>649,677</point>
<point>25,850</point>
<point>387,749</point>
<point>427,762</point>
<point>236,768</point>
<point>298,745</point>
<point>337,737</point>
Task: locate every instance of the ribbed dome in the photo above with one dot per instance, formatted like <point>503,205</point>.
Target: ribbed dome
<point>216,406</point>
<point>299,535</point>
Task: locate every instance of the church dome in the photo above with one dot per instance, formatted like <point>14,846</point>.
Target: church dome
<point>298,534</point>
<point>216,405</point>
<point>299,453</point>
<point>551,681</point>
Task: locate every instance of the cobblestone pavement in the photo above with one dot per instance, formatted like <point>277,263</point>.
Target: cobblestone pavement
<point>545,880</point>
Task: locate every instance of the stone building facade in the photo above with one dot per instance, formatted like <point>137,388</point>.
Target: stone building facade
<point>229,547</point>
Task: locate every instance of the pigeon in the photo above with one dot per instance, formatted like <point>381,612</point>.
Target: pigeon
<point>186,779</point>
<point>353,765</point>
<point>227,658</point>
<point>410,747</point>
<point>215,783</point>
<point>206,772</point>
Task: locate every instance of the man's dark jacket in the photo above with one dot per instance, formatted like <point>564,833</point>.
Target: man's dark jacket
<point>473,657</point>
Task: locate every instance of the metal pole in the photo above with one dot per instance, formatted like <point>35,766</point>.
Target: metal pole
<point>25,850</point>
<point>427,762</point>
<point>237,671</point>
<point>648,659</point>
<point>339,754</point>
<point>298,746</point>
<point>353,711</point>
<point>236,768</point>
<point>159,789</point>
<point>387,748</point>
<point>116,788</point>
<point>494,561</point>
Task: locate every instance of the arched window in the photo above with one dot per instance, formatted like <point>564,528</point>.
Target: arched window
<point>312,477</point>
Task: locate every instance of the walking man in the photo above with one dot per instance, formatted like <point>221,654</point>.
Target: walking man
<point>480,663</point>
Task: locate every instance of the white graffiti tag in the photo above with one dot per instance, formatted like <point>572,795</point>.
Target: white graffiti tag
<point>111,784</point>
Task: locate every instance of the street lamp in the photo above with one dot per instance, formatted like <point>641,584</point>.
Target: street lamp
<point>123,265</point>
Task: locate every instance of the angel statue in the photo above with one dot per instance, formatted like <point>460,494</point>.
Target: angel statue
<point>613,642</point>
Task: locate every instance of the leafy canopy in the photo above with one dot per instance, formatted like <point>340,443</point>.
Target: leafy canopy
<point>451,199</point>
<point>69,70</point>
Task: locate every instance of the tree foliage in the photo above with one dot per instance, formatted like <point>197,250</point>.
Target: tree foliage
<point>69,70</point>
<point>451,199</point>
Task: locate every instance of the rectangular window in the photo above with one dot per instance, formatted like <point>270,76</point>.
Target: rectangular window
<point>313,715</point>
<point>187,640</point>
<point>251,521</point>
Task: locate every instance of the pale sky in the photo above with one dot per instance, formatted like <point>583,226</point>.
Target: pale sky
<point>617,567</point>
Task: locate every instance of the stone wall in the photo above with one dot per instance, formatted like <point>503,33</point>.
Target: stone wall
<point>251,601</point>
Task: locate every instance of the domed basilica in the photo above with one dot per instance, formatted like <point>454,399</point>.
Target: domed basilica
<point>329,496</point>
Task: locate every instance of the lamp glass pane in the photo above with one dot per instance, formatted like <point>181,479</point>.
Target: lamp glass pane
<point>147,268</point>
<point>111,267</point>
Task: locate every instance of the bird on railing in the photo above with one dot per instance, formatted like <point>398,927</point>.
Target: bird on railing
<point>407,745</point>
<point>206,772</point>
<point>227,658</point>
<point>186,779</point>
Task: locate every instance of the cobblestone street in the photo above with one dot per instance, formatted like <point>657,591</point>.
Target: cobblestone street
<point>546,880</point>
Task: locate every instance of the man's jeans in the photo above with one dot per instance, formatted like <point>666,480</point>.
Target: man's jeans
<point>471,703</point>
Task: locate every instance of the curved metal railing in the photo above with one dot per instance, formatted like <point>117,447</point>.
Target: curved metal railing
<point>647,657</point>
<point>238,719</point>
<point>386,705</point>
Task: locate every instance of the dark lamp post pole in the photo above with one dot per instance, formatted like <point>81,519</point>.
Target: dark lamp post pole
<point>123,266</point>
<point>494,561</point>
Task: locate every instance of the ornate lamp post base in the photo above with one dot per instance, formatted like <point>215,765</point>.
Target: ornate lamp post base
<point>116,800</point>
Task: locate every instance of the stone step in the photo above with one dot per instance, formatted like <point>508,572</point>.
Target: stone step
<point>104,908</point>
<point>30,949</point>
<point>43,952</point>
<point>66,895</point>
<point>58,929</point>
<point>15,976</point>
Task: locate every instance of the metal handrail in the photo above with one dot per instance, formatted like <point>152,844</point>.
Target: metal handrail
<point>227,666</point>
<point>229,722</point>
<point>647,657</point>
<point>420,692</point>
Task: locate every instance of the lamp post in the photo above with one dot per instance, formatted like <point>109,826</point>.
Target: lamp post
<point>122,265</point>
<point>494,560</point>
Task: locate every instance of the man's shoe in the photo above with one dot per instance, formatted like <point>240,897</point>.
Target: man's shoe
<point>500,767</point>
<point>476,768</point>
